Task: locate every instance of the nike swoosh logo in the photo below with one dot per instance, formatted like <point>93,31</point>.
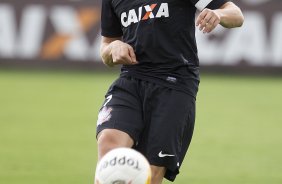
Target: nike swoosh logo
<point>165,155</point>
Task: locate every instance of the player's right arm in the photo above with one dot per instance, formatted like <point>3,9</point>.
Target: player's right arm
<point>113,51</point>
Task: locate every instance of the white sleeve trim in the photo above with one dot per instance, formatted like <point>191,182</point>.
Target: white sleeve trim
<point>202,4</point>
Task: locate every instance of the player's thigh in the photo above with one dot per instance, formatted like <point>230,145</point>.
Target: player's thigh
<point>121,109</point>
<point>171,128</point>
<point>172,117</point>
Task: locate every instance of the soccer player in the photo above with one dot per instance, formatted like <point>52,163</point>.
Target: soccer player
<point>151,106</point>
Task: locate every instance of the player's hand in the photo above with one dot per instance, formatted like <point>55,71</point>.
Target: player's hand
<point>122,53</point>
<point>208,20</point>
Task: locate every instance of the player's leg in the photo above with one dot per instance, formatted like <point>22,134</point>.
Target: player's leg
<point>109,139</point>
<point>157,174</point>
<point>171,118</point>
<point>120,119</point>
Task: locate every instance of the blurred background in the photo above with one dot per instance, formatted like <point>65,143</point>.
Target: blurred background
<point>52,83</point>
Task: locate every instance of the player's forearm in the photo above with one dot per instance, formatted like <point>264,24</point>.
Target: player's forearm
<point>105,52</point>
<point>230,16</point>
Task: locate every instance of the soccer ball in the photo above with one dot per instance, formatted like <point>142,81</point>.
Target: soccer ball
<point>123,166</point>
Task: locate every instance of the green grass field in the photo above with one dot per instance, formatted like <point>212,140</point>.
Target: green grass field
<point>48,121</point>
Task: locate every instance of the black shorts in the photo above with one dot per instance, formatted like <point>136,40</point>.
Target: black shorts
<point>160,120</point>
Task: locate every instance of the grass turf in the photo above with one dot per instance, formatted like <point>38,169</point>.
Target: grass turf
<point>48,120</point>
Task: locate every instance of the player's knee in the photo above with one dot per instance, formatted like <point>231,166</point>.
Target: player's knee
<point>106,142</point>
<point>109,139</point>
<point>157,174</point>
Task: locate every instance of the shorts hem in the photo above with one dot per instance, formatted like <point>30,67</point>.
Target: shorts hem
<point>170,173</point>
<point>128,132</point>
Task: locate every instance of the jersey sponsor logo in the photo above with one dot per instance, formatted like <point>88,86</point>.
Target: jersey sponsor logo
<point>161,155</point>
<point>144,13</point>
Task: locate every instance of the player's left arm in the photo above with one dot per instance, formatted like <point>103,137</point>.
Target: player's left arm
<point>228,15</point>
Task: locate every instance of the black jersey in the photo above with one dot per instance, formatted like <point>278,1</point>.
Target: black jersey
<point>162,34</point>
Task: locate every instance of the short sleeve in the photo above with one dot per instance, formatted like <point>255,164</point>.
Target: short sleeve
<point>110,23</point>
<point>211,4</point>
